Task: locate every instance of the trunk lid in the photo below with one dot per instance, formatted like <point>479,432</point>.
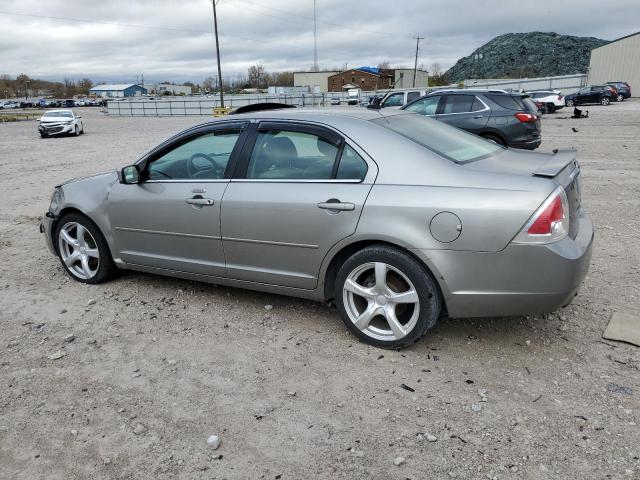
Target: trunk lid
<point>561,166</point>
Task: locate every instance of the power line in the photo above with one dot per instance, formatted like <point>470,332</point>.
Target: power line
<point>325,22</point>
<point>124,25</point>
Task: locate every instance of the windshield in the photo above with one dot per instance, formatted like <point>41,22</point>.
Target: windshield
<point>445,140</point>
<point>58,114</point>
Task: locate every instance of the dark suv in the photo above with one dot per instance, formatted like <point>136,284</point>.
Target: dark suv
<point>510,119</point>
<point>602,94</point>
<point>624,89</point>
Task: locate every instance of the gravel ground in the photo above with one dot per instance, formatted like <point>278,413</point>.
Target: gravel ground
<point>153,366</point>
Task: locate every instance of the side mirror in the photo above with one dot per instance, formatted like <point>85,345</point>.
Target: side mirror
<point>375,104</point>
<point>129,175</point>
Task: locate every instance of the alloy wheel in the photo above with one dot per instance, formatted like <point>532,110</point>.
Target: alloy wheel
<point>381,301</point>
<point>604,101</point>
<point>78,250</point>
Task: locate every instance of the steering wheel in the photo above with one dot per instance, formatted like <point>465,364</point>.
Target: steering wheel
<point>196,171</point>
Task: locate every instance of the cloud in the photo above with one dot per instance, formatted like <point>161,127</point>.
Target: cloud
<point>117,40</point>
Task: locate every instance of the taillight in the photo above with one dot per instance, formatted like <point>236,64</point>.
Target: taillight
<point>526,117</point>
<point>559,97</point>
<point>550,223</point>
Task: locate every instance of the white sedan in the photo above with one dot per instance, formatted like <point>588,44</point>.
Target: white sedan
<point>60,122</point>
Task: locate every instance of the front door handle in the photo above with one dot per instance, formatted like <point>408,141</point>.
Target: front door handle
<point>336,205</point>
<point>478,116</point>
<point>201,202</point>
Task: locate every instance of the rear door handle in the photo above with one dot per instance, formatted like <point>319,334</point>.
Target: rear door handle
<point>201,202</point>
<point>337,205</point>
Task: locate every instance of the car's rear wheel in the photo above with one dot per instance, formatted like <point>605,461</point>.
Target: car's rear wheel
<point>570,103</point>
<point>620,97</point>
<point>82,249</point>
<point>551,108</point>
<point>605,101</point>
<point>386,297</point>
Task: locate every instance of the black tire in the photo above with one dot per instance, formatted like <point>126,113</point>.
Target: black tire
<point>605,101</point>
<point>569,103</point>
<point>77,131</point>
<point>495,139</point>
<point>43,135</point>
<point>429,296</point>
<point>620,97</point>
<point>106,268</point>
<point>551,108</point>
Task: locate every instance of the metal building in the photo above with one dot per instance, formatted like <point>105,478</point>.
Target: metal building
<point>118,90</point>
<point>618,61</point>
<point>318,82</point>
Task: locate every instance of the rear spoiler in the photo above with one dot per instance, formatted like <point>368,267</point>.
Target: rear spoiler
<point>556,163</point>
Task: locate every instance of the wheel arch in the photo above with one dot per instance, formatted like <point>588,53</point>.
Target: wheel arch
<point>73,209</point>
<point>339,257</point>
<point>485,133</point>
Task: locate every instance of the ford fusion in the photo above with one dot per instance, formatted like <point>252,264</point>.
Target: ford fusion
<point>397,218</point>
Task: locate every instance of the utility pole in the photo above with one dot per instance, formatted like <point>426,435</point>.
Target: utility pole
<point>415,65</point>
<point>315,40</point>
<point>215,29</point>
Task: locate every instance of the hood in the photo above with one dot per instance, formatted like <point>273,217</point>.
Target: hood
<point>55,119</point>
<point>90,177</point>
<point>525,163</point>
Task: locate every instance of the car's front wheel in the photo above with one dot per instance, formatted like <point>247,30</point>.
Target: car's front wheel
<point>386,297</point>
<point>605,101</point>
<point>82,249</point>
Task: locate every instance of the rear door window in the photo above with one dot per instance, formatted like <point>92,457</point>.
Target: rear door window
<point>457,104</point>
<point>352,166</point>
<point>411,96</point>
<point>291,155</point>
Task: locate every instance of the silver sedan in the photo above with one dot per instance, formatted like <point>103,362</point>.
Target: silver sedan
<point>397,218</point>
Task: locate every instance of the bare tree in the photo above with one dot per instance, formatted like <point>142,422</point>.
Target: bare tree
<point>85,85</point>
<point>208,84</point>
<point>257,76</point>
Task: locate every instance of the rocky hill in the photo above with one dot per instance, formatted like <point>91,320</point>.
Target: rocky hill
<point>534,54</point>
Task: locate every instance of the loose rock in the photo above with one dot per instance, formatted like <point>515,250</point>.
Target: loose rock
<point>139,429</point>
<point>399,461</point>
<point>69,338</point>
<point>56,355</point>
<point>213,441</point>
<point>431,438</point>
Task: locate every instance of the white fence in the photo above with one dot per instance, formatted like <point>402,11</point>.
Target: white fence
<point>566,83</point>
<point>182,106</point>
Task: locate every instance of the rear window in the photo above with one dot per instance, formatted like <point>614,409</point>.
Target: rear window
<point>510,102</point>
<point>445,140</point>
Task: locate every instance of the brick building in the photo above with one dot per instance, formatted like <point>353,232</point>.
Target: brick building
<point>366,78</point>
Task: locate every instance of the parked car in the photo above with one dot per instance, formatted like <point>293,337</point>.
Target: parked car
<point>551,100</point>
<point>396,217</point>
<point>69,103</point>
<point>398,98</point>
<point>602,94</point>
<point>623,88</point>
<point>9,104</point>
<point>335,100</point>
<point>60,122</point>
<point>509,119</point>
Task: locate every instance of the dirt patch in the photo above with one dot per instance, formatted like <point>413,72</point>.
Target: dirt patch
<point>157,365</point>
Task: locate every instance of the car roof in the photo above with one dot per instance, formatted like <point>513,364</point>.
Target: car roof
<point>317,114</point>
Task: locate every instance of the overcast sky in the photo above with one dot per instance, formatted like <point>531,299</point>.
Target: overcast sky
<point>116,40</point>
